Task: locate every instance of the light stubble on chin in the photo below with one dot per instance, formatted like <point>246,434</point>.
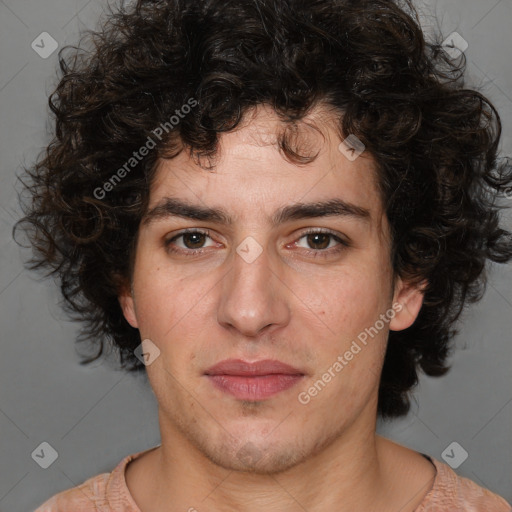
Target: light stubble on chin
<point>269,458</point>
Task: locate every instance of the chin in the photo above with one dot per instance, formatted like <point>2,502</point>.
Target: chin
<point>261,454</point>
<point>258,460</point>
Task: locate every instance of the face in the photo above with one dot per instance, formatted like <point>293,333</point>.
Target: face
<point>256,277</point>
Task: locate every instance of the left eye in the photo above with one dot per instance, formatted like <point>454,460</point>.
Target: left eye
<point>321,239</point>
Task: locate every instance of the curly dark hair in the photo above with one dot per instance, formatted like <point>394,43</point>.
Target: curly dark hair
<point>434,142</point>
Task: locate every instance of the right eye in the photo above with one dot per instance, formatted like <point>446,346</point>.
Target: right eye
<point>192,242</point>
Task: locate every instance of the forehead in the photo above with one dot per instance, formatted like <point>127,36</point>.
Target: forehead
<point>251,174</point>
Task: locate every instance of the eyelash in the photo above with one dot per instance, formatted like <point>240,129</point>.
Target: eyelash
<point>314,253</point>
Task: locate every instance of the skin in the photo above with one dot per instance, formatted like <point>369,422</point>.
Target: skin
<point>293,303</point>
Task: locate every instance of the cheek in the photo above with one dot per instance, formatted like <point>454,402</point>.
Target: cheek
<point>165,303</point>
<point>345,305</point>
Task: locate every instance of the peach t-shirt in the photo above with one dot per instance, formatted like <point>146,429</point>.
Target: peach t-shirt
<point>108,493</point>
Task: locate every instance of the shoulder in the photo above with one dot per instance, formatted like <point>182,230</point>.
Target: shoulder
<point>455,493</point>
<point>96,494</point>
<point>87,497</point>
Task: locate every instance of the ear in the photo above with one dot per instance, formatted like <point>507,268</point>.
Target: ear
<point>410,299</point>
<point>127,304</point>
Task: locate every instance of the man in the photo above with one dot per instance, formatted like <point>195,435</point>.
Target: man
<point>280,208</point>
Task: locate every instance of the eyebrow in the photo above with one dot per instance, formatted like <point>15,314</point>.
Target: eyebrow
<point>173,207</point>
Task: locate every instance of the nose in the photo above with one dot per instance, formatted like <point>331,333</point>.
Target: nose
<point>252,297</point>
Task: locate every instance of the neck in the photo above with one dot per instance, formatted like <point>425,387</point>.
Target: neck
<point>345,475</point>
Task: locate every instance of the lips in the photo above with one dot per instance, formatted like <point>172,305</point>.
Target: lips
<point>253,381</point>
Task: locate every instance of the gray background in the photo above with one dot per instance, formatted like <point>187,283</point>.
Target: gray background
<point>94,416</point>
